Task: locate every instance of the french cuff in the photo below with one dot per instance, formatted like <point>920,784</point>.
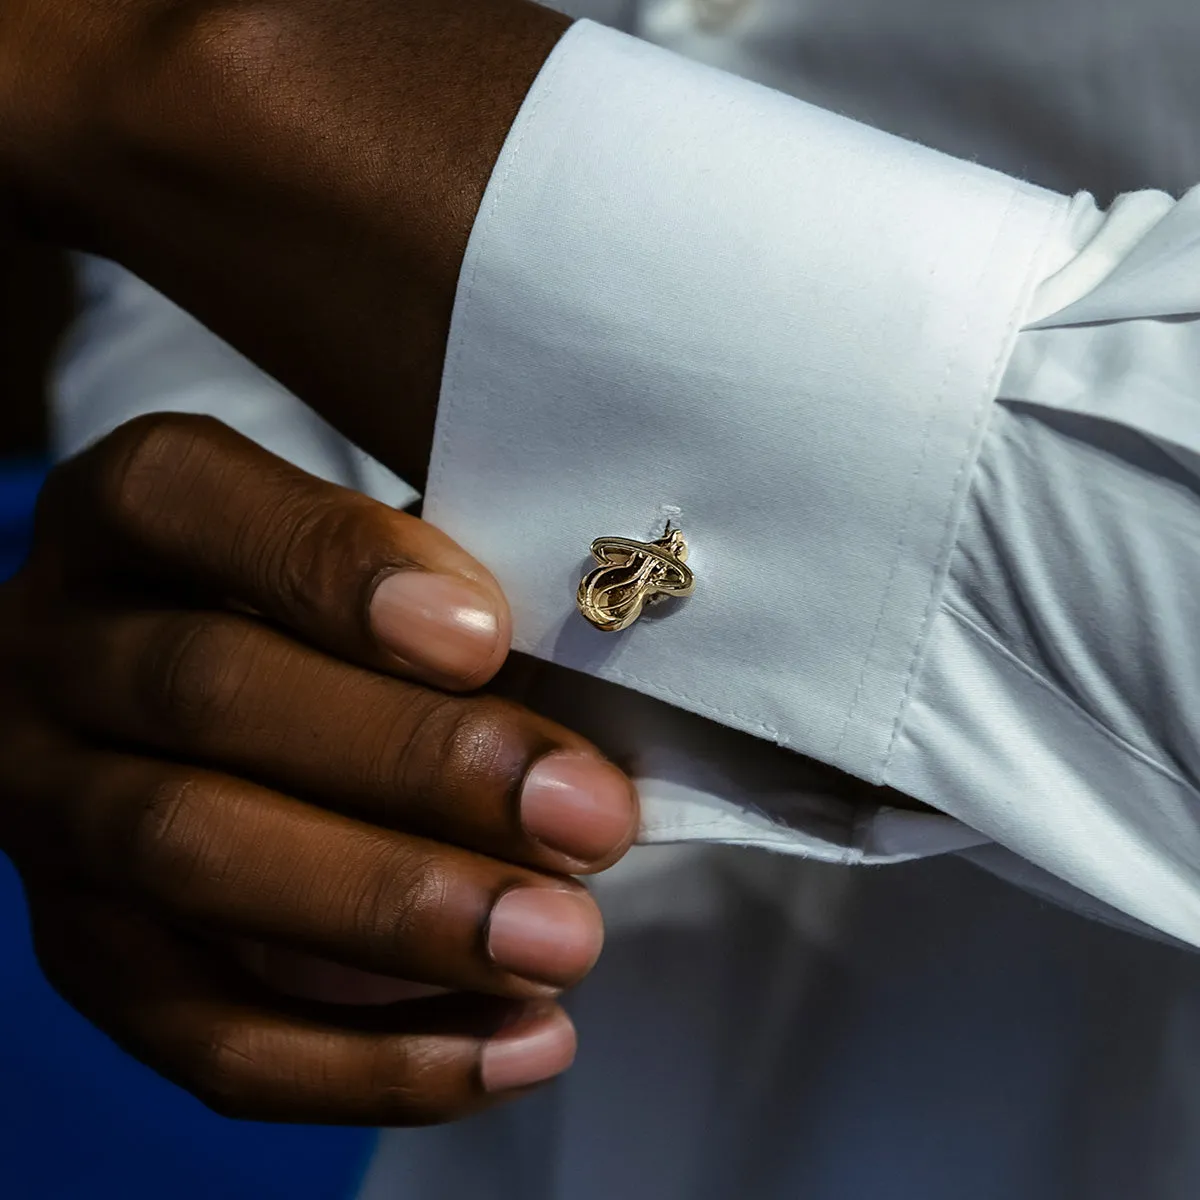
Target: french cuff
<point>691,299</point>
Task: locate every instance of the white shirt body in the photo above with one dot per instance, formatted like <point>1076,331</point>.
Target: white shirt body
<point>931,433</point>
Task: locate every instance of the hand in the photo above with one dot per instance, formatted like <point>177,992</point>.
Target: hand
<point>216,725</point>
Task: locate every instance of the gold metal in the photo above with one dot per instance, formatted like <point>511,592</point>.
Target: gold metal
<point>631,575</point>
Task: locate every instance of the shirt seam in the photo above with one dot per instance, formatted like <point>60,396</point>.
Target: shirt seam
<point>970,457</point>
<point>910,503</point>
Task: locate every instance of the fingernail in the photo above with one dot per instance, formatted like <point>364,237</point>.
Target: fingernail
<point>527,1056</point>
<point>545,934</point>
<point>434,622</point>
<point>577,804</point>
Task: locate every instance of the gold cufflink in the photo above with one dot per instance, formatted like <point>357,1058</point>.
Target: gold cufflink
<point>631,575</point>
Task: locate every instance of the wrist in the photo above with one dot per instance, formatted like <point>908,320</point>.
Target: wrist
<point>303,176</point>
<point>61,67</point>
<point>376,109</point>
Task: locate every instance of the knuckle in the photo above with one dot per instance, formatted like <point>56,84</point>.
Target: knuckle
<point>455,748</point>
<point>413,737</point>
<point>194,678</point>
<point>226,1070</point>
<point>411,1086</point>
<point>325,542</point>
<point>142,460</point>
<point>483,734</point>
<point>168,840</point>
<point>403,898</point>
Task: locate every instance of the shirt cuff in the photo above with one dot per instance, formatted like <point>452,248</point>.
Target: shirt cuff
<point>689,298</point>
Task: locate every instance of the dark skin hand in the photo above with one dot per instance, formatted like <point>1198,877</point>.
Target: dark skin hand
<point>204,740</point>
<point>219,728</point>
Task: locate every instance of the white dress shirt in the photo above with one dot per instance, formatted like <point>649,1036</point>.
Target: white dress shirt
<point>668,312</point>
<point>929,431</point>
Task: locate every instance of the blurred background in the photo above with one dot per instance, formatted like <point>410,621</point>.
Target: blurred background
<point>78,1118</point>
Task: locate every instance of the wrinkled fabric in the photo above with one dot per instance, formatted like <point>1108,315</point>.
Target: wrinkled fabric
<point>833,370</point>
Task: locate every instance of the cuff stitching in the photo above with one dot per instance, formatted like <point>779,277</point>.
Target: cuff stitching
<point>935,411</point>
<point>954,511</point>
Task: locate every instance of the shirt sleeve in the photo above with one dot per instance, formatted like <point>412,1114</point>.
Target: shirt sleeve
<point>690,299</point>
<point>687,297</point>
<point>932,436</point>
<point>131,351</point>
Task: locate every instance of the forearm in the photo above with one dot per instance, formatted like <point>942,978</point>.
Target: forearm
<point>313,213</point>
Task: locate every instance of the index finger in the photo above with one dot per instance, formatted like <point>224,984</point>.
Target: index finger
<point>185,498</point>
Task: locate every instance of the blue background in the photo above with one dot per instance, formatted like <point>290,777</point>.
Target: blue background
<point>79,1119</point>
